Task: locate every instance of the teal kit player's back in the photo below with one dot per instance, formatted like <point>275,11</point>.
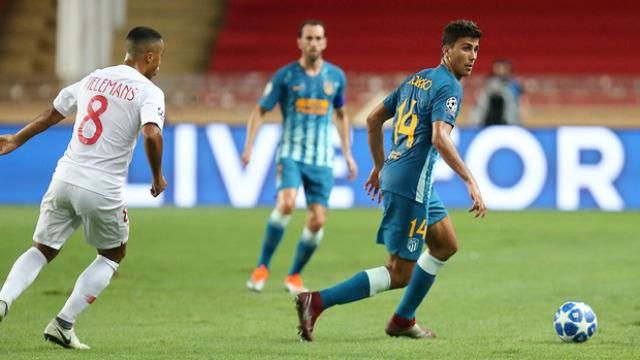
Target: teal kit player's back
<point>423,98</point>
<point>307,104</point>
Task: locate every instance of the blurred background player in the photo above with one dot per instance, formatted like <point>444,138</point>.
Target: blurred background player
<point>308,90</point>
<point>502,100</point>
<point>111,105</point>
<point>424,107</point>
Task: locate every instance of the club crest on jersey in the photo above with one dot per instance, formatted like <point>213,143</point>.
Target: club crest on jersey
<point>328,88</point>
<point>296,87</point>
<point>452,106</point>
<point>412,245</point>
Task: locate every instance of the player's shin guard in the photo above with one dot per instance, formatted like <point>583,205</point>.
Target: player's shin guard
<point>273,234</point>
<point>423,277</point>
<point>307,245</point>
<point>24,271</point>
<point>362,285</point>
<point>89,285</point>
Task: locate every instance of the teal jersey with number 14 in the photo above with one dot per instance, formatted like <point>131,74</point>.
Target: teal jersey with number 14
<point>423,98</point>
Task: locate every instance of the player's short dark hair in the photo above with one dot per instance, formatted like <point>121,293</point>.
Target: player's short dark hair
<point>312,22</point>
<point>459,29</point>
<point>139,37</point>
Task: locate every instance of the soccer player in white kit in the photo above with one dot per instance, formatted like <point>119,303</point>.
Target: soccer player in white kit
<point>112,105</point>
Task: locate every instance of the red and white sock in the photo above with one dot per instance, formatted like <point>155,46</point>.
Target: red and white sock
<point>89,285</point>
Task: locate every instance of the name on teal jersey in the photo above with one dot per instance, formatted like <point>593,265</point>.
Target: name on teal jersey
<point>420,82</point>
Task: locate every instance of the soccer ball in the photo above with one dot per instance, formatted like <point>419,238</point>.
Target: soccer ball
<point>575,322</point>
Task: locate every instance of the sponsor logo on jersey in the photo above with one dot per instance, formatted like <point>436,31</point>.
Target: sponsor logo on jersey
<point>394,155</point>
<point>312,106</point>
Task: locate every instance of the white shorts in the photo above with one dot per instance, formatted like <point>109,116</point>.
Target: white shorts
<point>66,206</point>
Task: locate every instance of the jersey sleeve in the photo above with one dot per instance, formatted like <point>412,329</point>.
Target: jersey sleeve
<point>152,110</point>
<point>339,99</point>
<point>66,103</point>
<point>446,104</point>
<point>272,91</point>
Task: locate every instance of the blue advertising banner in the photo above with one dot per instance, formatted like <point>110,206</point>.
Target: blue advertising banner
<point>564,168</point>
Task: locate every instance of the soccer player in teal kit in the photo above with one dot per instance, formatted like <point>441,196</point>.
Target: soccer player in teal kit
<point>424,109</point>
<point>308,90</point>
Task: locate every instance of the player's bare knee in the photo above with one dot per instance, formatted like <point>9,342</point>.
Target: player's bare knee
<point>286,207</point>
<point>400,276</point>
<point>315,223</point>
<point>115,257</point>
<point>116,254</point>
<point>449,251</point>
<point>48,252</point>
<point>445,252</point>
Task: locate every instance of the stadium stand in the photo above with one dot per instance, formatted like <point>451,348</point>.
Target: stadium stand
<point>189,27</point>
<point>383,36</point>
<point>221,53</point>
<point>27,38</point>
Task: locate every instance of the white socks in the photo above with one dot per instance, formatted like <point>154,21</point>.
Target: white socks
<point>312,238</point>
<point>22,274</point>
<point>379,280</point>
<point>89,285</point>
<point>429,264</point>
<point>279,219</point>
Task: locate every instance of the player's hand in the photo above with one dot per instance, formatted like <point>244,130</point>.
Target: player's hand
<point>158,186</point>
<point>478,204</point>
<point>372,186</point>
<point>7,144</point>
<point>246,156</point>
<point>353,168</point>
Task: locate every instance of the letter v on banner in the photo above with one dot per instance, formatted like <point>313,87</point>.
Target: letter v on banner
<point>243,185</point>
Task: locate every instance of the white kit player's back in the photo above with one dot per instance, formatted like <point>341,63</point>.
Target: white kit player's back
<point>112,104</point>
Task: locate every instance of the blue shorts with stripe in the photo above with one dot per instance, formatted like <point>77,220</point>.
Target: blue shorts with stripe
<point>317,181</point>
<point>403,228</point>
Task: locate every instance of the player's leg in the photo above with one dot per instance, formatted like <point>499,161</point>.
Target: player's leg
<point>57,221</point>
<point>309,241</point>
<point>106,227</point>
<point>403,248</point>
<point>288,180</point>
<point>23,272</point>
<point>442,244</point>
<point>277,224</point>
<point>317,182</point>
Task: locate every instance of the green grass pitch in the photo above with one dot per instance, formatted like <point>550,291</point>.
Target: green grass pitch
<point>180,293</point>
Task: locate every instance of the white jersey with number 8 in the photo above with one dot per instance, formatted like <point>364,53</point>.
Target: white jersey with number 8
<point>112,105</point>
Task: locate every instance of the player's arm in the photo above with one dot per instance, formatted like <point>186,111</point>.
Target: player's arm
<point>42,122</point>
<point>441,140</point>
<point>375,137</point>
<point>342,124</point>
<point>153,144</point>
<point>256,118</point>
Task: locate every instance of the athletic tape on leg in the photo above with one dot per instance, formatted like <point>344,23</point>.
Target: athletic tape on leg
<point>429,264</point>
<point>379,280</point>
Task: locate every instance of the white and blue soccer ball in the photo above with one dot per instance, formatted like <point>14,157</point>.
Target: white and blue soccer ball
<point>575,322</point>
